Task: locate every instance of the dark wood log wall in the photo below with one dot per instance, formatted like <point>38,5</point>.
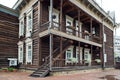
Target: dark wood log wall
<point>109,47</point>
<point>8,36</point>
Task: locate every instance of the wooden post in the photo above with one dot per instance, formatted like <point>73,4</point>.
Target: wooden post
<point>61,14</point>
<point>79,36</point>
<point>39,54</point>
<point>91,53</point>
<point>51,50</point>
<point>79,53</point>
<point>78,23</point>
<point>91,28</point>
<point>51,13</point>
<point>61,49</point>
<point>51,36</point>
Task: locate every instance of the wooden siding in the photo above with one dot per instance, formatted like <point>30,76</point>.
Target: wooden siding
<point>8,37</point>
<point>109,47</point>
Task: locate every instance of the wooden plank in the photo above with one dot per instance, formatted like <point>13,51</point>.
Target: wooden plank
<point>61,14</point>
<point>51,50</point>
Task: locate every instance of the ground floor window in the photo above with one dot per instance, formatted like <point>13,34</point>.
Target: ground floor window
<point>20,52</point>
<point>29,51</point>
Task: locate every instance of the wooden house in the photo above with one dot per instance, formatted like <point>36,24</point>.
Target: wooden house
<point>64,34</point>
<point>8,35</point>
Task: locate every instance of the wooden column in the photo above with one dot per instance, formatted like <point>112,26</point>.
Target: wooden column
<point>61,14</point>
<point>91,28</point>
<point>91,39</point>
<point>51,36</point>
<point>39,45</point>
<point>51,50</point>
<point>61,49</point>
<point>79,36</point>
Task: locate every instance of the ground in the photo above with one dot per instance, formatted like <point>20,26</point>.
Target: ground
<point>96,75</point>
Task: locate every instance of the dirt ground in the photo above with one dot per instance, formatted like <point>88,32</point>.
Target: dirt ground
<point>111,74</point>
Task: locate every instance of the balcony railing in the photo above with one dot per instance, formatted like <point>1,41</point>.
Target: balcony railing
<point>70,30</point>
<point>65,63</point>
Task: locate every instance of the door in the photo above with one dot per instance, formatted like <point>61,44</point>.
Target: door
<point>87,56</point>
<point>69,54</point>
<point>81,54</point>
<point>69,23</point>
<point>77,27</point>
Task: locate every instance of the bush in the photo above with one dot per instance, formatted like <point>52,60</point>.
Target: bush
<point>10,69</point>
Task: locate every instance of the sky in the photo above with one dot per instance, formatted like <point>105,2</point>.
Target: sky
<point>107,5</point>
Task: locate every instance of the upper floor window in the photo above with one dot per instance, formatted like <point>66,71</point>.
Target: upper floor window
<point>21,27</point>
<point>105,37</point>
<point>29,23</point>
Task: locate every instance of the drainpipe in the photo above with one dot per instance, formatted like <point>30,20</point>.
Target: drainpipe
<point>103,66</point>
<point>50,37</point>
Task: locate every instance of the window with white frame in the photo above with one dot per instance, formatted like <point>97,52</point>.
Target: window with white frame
<point>105,37</point>
<point>69,24</point>
<point>28,51</point>
<point>20,52</point>
<point>21,27</point>
<point>55,16</point>
<point>29,23</point>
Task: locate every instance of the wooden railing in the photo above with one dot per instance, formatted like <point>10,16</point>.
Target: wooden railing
<point>65,63</point>
<point>70,30</point>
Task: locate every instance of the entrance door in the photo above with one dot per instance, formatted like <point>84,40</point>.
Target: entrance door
<point>81,54</point>
<point>87,57</point>
<point>69,54</point>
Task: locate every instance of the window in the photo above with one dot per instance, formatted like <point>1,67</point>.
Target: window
<point>104,37</point>
<point>69,23</point>
<point>29,23</point>
<point>69,54</point>
<point>93,30</point>
<point>78,28</point>
<point>21,27</point>
<point>20,52</point>
<point>28,51</point>
<point>55,16</point>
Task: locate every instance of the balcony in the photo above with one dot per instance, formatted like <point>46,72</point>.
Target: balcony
<point>69,32</point>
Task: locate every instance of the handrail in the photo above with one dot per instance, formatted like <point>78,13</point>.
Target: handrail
<point>45,23</point>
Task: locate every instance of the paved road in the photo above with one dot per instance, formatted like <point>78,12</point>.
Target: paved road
<point>96,75</point>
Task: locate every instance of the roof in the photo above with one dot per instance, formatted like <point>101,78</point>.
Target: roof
<point>8,10</point>
<point>92,2</point>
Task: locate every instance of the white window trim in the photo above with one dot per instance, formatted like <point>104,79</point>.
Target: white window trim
<point>70,19</point>
<point>29,42</point>
<point>81,54</point>
<point>70,48</point>
<point>105,39</point>
<point>88,60</point>
<point>21,27</point>
<point>28,31</point>
<point>78,28</point>
<point>20,45</point>
<point>56,12</point>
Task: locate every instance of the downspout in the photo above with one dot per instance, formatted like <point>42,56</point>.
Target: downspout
<point>50,37</point>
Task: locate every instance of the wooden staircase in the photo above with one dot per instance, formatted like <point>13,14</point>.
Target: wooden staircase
<point>43,71</point>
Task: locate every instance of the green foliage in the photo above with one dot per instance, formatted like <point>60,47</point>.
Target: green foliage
<point>10,69</point>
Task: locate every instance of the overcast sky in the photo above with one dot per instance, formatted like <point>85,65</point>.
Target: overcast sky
<point>107,5</point>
